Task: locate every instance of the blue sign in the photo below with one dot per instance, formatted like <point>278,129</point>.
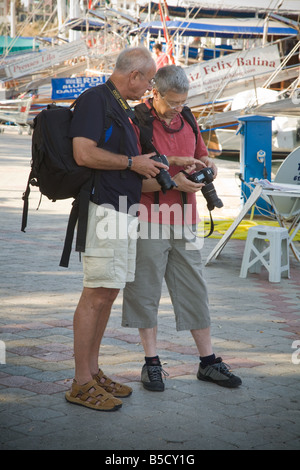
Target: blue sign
<point>69,88</point>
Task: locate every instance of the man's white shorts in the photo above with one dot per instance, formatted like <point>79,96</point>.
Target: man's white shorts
<point>109,257</point>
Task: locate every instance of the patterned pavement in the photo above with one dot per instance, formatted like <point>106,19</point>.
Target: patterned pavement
<point>255,328</point>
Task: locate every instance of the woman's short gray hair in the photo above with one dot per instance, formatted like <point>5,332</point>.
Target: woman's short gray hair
<point>171,78</point>
<point>134,58</point>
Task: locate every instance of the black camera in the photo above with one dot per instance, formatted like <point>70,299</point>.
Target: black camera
<point>206,176</point>
<point>163,177</point>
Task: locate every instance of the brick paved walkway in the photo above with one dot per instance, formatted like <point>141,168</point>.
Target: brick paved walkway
<point>254,327</point>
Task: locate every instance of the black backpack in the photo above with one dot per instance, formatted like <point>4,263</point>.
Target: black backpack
<point>57,175</point>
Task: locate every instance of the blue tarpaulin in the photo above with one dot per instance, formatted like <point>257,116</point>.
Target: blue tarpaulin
<point>82,24</point>
<point>218,28</point>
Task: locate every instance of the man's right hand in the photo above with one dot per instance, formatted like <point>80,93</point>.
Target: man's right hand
<point>145,166</point>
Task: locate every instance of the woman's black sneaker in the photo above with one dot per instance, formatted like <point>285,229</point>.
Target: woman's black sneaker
<point>219,373</point>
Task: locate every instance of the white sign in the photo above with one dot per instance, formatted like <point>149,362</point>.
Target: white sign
<point>42,60</point>
<point>212,74</point>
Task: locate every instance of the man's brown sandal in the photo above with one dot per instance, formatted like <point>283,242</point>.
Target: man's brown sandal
<point>114,388</point>
<point>92,396</point>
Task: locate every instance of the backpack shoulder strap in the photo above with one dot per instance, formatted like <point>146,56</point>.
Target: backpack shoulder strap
<point>79,216</point>
<point>190,118</point>
<point>144,121</point>
<point>143,114</point>
<point>80,206</point>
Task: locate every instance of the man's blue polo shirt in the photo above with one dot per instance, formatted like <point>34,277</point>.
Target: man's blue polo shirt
<point>89,118</point>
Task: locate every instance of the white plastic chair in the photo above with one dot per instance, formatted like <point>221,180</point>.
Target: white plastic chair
<point>269,247</point>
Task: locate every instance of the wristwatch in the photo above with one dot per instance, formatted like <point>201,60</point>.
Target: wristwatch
<point>129,163</point>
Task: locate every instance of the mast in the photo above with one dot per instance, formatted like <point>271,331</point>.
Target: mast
<point>13,18</point>
<point>61,13</point>
<point>165,17</point>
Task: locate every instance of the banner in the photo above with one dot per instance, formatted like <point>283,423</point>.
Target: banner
<point>69,88</point>
<point>38,61</point>
<point>213,74</point>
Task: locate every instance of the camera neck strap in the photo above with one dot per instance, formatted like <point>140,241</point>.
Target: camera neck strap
<point>120,100</point>
<point>127,109</point>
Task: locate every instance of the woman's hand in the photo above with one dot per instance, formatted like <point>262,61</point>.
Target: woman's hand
<point>208,162</point>
<point>191,163</point>
<point>185,185</point>
<point>182,161</point>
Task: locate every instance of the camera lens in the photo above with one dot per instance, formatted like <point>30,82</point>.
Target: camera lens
<point>165,181</point>
<point>211,197</point>
<point>163,178</point>
<point>206,176</point>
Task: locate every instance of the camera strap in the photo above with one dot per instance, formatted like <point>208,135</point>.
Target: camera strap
<point>126,108</point>
<point>212,226</point>
<point>184,202</point>
<point>123,103</point>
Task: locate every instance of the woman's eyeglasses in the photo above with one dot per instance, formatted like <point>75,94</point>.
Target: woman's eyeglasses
<point>174,105</point>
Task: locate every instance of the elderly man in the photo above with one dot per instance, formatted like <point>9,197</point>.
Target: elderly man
<point>109,260</point>
<point>172,256</point>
